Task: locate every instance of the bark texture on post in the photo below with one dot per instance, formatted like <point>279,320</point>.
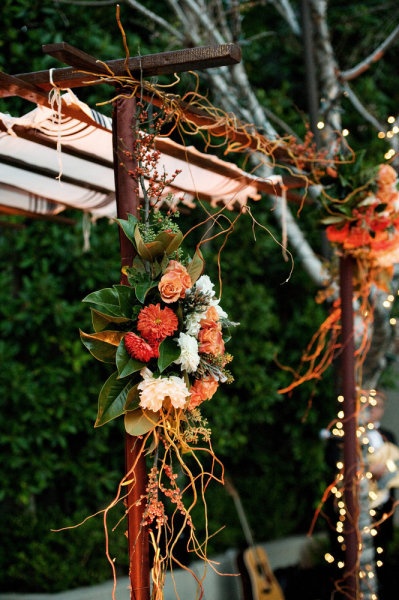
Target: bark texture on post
<point>351,456</point>
<point>128,202</point>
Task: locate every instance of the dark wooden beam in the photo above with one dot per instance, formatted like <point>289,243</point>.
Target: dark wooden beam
<point>86,70</point>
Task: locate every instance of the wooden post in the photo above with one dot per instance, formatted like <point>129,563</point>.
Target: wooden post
<point>127,201</point>
<point>351,459</point>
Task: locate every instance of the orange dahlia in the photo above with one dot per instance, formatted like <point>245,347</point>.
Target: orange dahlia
<point>156,323</point>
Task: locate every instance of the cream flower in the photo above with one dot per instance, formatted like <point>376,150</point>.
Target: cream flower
<point>192,323</point>
<point>154,391</point>
<point>189,357</point>
<point>205,285</point>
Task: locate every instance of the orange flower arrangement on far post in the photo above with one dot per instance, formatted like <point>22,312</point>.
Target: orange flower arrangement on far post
<point>370,231</point>
<point>362,221</point>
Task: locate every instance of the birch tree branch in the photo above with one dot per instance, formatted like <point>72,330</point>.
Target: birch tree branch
<point>375,56</point>
<point>362,110</point>
<point>286,11</point>
<point>179,35</point>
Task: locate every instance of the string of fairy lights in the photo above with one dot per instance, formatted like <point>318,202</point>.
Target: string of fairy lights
<point>366,572</point>
<point>367,530</point>
<point>388,134</point>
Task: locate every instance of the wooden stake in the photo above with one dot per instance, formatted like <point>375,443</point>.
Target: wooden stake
<point>127,201</point>
<point>350,582</point>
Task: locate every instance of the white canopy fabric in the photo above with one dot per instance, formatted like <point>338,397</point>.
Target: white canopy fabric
<point>49,163</point>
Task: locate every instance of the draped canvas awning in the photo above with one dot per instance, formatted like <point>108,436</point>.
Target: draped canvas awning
<point>49,162</point>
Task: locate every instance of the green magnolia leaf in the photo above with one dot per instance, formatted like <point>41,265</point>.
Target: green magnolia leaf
<point>133,398</point>
<point>138,265</point>
<point>196,266</point>
<point>126,299</point>
<point>125,364</point>
<point>170,241</point>
<point>142,289</point>
<point>112,399</point>
<point>141,247</point>
<point>332,220</point>
<point>107,299</point>
<point>101,321</point>
<point>113,302</point>
<point>102,345</point>
<point>140,421</point>
<point>155,249</point>
<point>128,226</point>
<point>169,351</point>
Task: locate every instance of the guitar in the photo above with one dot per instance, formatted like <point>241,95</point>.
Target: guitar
<point>259,581</point>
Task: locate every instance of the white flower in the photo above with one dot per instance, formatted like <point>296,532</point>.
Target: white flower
<point>153,391</point>
<point>189,357</point>
<point>222,313</point>
<point>192,323</point>
<point>205,285</point>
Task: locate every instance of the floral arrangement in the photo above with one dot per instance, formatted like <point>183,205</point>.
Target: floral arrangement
<point>363,217</point>
<point>362,221</point>
<point>165,334</point>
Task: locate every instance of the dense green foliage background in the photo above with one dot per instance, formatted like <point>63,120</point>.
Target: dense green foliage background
<point>56,469</point>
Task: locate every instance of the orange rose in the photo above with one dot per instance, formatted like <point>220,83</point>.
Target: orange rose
<point>210,338</point>
<point>202,389</point>
<point>386,175</point>
<point>212,314</point>
<point>174,282</point>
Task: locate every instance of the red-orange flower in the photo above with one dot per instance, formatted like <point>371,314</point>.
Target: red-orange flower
<point>138,348</point>
<point>338,235</point>
<point>174,282</point>
<point>202,389</point>
<point>156,323</point>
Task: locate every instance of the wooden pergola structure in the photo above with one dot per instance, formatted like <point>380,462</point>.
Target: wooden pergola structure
<point>83,70</point>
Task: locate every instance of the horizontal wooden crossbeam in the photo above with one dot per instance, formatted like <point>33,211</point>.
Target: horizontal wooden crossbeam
<point>86,70</point>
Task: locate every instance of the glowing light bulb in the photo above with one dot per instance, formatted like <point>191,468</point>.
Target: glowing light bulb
<point>329,558</point>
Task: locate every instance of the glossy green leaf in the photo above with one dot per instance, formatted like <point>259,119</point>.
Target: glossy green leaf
<point>113,302</point>
<point>140,421</point>
<point>126,299</point>
<point>107,299</point>
<point>332,220</point>
<point>112,399</point>
<point>196,266</point>
<point>133,398</point>
<point>128,226</point>
<point>125,364</point>
<point>102,345</point>
<point>101,321</point>
<point>141,246</point>
<point>170,241</point>
<point>169,351</point>
<point>142,290</point>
